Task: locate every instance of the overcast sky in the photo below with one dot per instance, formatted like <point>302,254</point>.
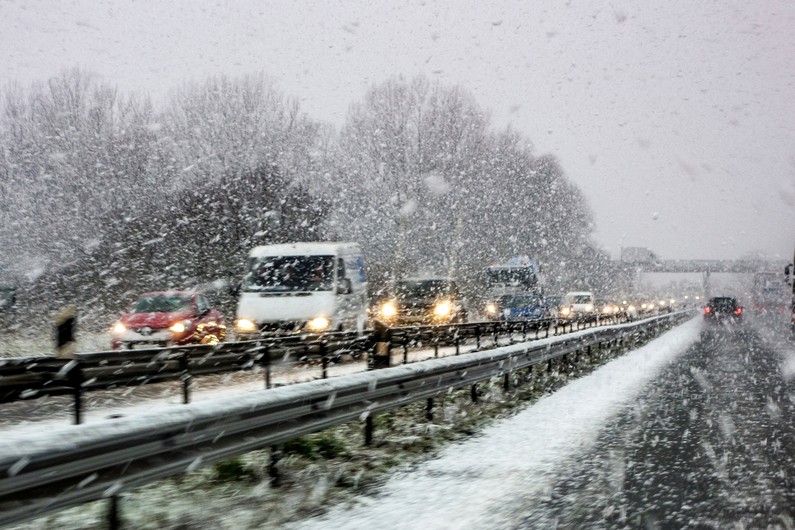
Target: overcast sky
<point>676,119</point>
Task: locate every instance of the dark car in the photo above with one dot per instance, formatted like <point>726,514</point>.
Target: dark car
<point>168,318</point>
<point>723,308</point>
<point>422,301</point>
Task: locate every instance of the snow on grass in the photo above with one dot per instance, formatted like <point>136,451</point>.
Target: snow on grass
<point>470,482</point>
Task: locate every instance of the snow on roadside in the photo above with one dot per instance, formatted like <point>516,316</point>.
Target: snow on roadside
<point>469,482</point>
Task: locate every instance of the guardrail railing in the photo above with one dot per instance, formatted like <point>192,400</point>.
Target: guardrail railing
<point>39,377</point>
<point>78,464</point>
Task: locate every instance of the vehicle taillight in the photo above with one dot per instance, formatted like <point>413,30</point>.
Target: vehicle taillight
<point>739,310</point>
<point>706,310</point>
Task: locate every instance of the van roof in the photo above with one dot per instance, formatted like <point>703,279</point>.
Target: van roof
<point>305,249</point>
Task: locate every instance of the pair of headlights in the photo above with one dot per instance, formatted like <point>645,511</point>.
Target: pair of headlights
<point>245,325</point>
<point>177,327</point>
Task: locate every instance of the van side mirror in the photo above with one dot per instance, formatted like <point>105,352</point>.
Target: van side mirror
<point>344,286</point>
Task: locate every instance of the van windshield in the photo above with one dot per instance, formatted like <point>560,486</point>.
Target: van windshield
<point>580,299</point>
<point>290,273</point>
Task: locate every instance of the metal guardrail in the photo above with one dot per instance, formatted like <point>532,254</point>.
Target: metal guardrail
<point>39,377</point>
<point>79,464</point>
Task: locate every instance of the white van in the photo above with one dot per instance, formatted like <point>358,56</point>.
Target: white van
<point>302,288</point>
<point>580,302</point>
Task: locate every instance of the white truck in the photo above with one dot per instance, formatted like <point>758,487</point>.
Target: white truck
<point>302,288</point>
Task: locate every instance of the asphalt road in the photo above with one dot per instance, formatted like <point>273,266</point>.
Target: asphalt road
<point>711,444</point>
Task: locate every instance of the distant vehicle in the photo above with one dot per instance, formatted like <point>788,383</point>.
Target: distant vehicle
<point>423,301</point>
<point>8,297</point>
<point>523,306</point>
<point>723,308</point>
<point>519,274</point>
<point>554,306</point>
<point>770,292</point>
<point>510,287</point>
<point>302,288</point>
<point>168,318</point>
<point>580,302</point>
<point>606,308</point>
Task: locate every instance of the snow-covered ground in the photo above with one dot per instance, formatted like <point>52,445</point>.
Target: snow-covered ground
<point>470,483</point>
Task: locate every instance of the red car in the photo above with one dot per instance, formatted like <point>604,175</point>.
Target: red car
<point>168,318</point>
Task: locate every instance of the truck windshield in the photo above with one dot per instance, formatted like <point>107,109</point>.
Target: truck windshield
<point>522,277</point>
<point>290,273</point>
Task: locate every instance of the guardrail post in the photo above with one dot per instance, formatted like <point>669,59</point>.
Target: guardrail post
<point>506,381</point>
<point>368,430</point>
<point>185,376</point>
<point>497,334</point>
<point>524,331</point>
<point>265,362</point>
<point>473,393</point>
<point>405,349</point>
<point>429,409</point>
<point>273,466</point>
<point>382,349</point>
<point>76,381</point>
<point>435,344</point>
<point>477,337</point>
<point>114,522</point>
<point>324,359</point>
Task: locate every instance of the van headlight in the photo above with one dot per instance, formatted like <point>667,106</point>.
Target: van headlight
<point>491,309</point>
<point>565,311</point>
<point>245,325</point>
<point>118,329</point>
<point>318,324</point>
<point>388,310</point>
<point>442,309</point>
<point>588,308</point>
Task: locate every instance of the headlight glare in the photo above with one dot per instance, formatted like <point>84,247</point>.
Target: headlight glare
<point>318,324</point>
<point>245,325</point>
<point>119,328</point>
<point>388,310</point>
<point>442,309</point>
<point>178,327</point>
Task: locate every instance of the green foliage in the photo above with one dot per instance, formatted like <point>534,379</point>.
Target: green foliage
<point>233,470</point>
<point>321,445</point>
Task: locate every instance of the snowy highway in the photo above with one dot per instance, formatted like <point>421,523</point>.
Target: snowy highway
<point>693,430</point>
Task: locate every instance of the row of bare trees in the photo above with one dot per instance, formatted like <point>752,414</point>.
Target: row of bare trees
<point>103,195</point>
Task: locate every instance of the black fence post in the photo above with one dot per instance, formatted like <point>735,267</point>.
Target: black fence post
<point>497,334</point>
<point>473,393</point>
<point>76,381</point>
<point>506,381</point>
<point>324,359</point>
<point>185,376</point>
<point>114,521</point>
<point>477,337</point>
<point>368,430</point>
<point>405,349</point>
<point>265,360</point>
<point>273,466</point>
<point>457,343</point>
<point>429,409</point>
